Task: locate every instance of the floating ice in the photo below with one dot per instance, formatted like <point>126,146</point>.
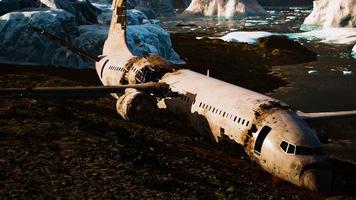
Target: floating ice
<point>347,73</point>
<point>313,72</point>
<point>353,53</point>
<point>248,37</point>
<point>330,35</point>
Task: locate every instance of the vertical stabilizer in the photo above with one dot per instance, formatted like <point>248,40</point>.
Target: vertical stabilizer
<point>116,41</point>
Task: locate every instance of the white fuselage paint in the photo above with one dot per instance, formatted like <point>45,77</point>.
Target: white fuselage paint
<point>271,133</point>
<point>223,110</point>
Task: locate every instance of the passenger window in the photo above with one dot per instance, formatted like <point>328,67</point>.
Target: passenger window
<point>213,109</point>
<point>200,105</point>
<point>224,114</point>
<point>247,123</point>
<point>239,120</point>
<point>243,121</point>
<point>284,146</point>
<point>291,149</point>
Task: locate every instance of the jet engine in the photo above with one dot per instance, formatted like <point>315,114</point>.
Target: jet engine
<point>136,106</point>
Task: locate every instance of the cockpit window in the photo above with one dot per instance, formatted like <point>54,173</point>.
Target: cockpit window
<point>291,149</point>
<point>284,146</point>
<point>300,150</point>
<point>304,151</point>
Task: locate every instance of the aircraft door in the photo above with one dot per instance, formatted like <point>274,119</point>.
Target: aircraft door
<point>261,138</point>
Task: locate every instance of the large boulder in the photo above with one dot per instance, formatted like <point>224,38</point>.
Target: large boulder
<point>13,5</point>
<point>84,11</point>
<point>331,13</point>
<point>151,8</point>
<point>225,8</point>
<point>18,43</point>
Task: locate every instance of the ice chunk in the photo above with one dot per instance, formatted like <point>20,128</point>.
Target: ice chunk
<point>347,73</point>
<point>330,35</point>
<point>353,53</point>
<point>248,37</point>
<point>313,72</point>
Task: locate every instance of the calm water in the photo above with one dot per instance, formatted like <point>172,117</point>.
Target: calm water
<point>328,84</point>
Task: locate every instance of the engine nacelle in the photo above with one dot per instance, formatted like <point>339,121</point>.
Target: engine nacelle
<point>136,106</point>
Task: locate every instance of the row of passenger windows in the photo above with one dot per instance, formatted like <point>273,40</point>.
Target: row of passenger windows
<point>217,111</point>
<point>117,68</point>
<point>121,69</point>
<point>224,114</point>
<point>300,150</point>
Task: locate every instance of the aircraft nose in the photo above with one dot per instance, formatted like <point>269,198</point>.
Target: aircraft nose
<point>319,178</point>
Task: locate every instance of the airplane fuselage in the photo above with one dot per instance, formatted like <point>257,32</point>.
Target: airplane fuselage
<point>271,133</point>
<point>269,130</point>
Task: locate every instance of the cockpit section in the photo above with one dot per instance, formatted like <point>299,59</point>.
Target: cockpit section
<point>292,149</point>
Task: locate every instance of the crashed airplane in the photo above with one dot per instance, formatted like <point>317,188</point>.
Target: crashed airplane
<point>274,135</point>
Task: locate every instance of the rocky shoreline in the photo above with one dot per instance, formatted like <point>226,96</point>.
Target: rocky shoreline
<point>80,148</point>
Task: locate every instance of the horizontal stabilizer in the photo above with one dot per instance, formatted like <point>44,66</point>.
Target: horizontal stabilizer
<point>79,92</point>
<point>326,115</point>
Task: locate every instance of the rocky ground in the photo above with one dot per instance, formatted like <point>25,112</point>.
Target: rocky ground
<point>81,149</point>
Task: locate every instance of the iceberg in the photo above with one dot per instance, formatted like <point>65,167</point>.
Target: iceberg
<point>225,8</point>
<point>331,13</point>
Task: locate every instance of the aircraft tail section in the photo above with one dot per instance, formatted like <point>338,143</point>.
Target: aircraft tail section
<point>116,41</point>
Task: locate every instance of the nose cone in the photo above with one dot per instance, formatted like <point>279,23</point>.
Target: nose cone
<point>318,179</point>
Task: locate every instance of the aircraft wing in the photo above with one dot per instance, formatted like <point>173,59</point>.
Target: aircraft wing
<point>80,92</point>
<point>326,115</point>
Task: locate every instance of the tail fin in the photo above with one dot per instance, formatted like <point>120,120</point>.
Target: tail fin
<point>116,41</point>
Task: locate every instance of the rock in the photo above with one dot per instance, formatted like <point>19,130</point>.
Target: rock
<point>330,13</point>
<point>282,48</point>
<point>225,8</point>
<point>11,5</point>
<point>84,11</point>
<point>142,40</point>
<point>353,53</point>
<point>150,38</point>
<point>181,3</point>
<point>153,8</point>
<point>20,44</point>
